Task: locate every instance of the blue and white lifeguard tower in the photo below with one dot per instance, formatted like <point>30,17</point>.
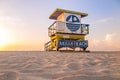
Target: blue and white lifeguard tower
<point>67,31</point>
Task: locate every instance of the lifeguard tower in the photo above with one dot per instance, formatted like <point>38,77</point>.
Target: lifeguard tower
<point>67,31</point>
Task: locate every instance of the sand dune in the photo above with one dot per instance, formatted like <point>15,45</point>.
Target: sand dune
<point>36,65</point>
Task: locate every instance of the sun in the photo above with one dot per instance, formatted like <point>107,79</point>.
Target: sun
<point>5,37</point>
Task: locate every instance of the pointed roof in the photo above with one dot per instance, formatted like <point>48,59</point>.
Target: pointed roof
<point>58,11</point>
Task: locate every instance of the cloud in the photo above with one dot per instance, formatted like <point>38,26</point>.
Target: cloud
<point>96,42</point>
<point>9,20</point>
<point>106,44</point>
<point>109,37</point>
<point>104,20</point>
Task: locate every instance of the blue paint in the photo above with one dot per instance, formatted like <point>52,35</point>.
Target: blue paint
<point>65,43</point>
<point>73,18</point>
<point>71,23</point>
<point>73,43</point>
<point>73,27</point>
<point>82,44</point>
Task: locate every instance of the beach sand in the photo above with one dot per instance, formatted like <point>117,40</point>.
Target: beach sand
<point>40,65</point>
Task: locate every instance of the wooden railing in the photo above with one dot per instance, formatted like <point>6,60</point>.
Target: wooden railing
<point>47,46</point>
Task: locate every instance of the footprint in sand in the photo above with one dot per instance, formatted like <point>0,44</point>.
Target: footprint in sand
<point>74,66</point>
<point>88,78</point>
<point>9,76</point>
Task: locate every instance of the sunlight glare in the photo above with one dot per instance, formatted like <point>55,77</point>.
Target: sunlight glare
<point>5,37</point>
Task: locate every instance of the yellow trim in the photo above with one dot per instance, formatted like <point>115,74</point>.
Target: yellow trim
<point>80,37</point>
<point>58,11</point>
<point>53,37</point>
<point>57,37</point>
<point>61,36</point>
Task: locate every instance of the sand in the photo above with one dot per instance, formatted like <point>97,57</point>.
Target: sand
<point>36,65</point>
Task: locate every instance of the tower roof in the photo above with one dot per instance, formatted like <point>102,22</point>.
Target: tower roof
<point>57,12</point>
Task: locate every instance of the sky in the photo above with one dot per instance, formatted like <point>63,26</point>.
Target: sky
<point>24,23</point>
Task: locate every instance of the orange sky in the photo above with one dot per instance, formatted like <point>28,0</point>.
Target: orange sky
<point>24,23</point>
